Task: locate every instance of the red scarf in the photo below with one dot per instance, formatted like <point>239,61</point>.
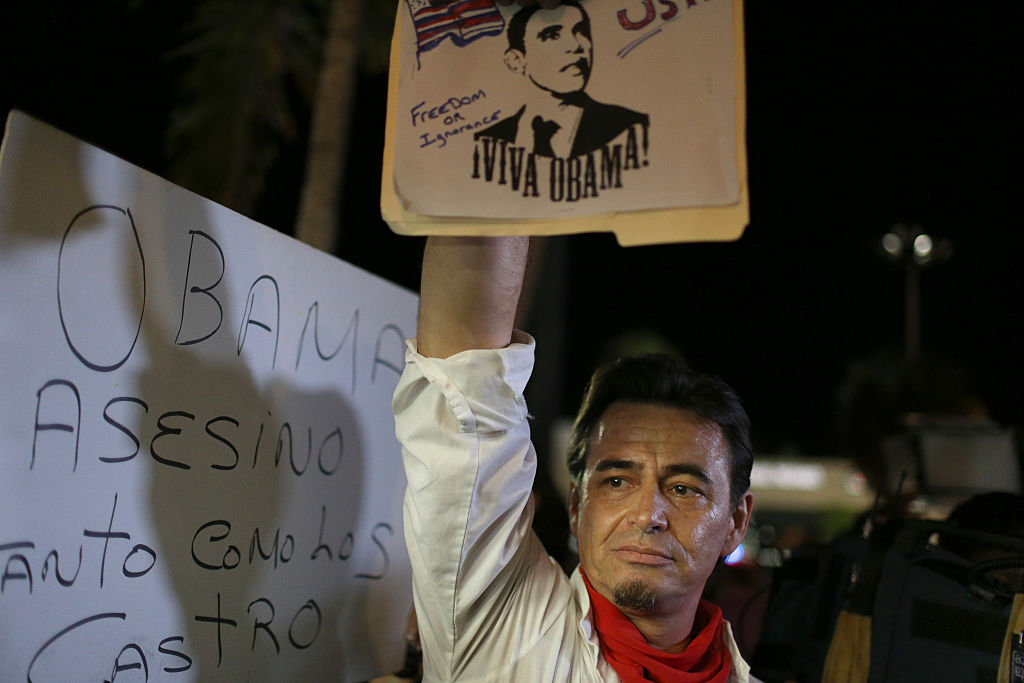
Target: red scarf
<point>705,660</point>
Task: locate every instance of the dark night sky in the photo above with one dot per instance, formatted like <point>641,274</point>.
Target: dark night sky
<point>860,115</point>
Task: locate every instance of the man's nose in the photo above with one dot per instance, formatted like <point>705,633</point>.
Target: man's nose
<point>651,511</point>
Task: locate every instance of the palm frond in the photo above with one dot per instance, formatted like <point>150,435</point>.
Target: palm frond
<point>252,70</point>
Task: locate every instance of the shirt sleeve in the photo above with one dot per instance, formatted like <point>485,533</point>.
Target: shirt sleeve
<point>479,572</point>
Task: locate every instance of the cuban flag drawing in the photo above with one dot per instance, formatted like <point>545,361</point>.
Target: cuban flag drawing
<point>461,20</point>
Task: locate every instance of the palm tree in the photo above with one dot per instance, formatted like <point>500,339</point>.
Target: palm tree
<point>255,69</point>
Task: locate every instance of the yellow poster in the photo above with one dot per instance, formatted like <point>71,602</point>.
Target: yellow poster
<point>606,115</point>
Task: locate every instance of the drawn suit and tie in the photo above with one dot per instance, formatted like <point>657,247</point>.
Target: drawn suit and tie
<point>554,50</point>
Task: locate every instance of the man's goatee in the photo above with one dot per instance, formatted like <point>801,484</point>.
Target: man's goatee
<point>634,594</point>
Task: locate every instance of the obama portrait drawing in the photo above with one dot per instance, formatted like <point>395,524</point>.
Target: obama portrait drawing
<point>552,49</point>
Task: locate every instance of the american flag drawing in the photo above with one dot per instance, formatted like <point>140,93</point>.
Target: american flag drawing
<point>462,20</point>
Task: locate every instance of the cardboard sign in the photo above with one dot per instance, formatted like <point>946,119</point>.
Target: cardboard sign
<point>524,120</point>
<point>199,478</point>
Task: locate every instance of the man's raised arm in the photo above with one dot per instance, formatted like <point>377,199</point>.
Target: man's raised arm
<point>462,423</point>
<point>469,293</point>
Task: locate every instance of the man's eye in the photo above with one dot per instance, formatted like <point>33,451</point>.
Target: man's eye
<point>683,490</point>
<point>614,482</point>
<point>550,33</point>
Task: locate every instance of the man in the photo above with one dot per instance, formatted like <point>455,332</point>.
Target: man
<point>553,50</point>
<point>660,493</point>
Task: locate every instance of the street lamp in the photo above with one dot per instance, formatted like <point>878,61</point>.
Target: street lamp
<point>914,249</point>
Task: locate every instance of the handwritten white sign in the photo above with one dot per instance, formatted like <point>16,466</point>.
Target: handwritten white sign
<point>199,478</point>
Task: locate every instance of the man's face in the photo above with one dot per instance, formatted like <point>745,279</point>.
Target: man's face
<point>652,514</point>
<point>558,51</point>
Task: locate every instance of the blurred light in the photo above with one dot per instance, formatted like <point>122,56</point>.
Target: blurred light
<point>892,243</point>
<point>923,246</point>
<point>856,484</point>
<point>735,556</point>
<point>787,475</point>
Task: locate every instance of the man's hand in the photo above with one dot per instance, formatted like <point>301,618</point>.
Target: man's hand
<point>469,293</point>
<point>546,4</point>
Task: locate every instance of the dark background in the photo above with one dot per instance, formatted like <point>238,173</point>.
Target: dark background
<point>860,115</point>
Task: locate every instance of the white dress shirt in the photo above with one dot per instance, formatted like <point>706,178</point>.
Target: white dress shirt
<point>491,604</point>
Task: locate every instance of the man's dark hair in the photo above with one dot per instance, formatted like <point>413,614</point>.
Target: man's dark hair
<point>517,24</point>
<point>665,380</point>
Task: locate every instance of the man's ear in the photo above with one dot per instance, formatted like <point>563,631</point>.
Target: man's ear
<point>515,61</point>
<point>574,509</point>
<point>740,521</point>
